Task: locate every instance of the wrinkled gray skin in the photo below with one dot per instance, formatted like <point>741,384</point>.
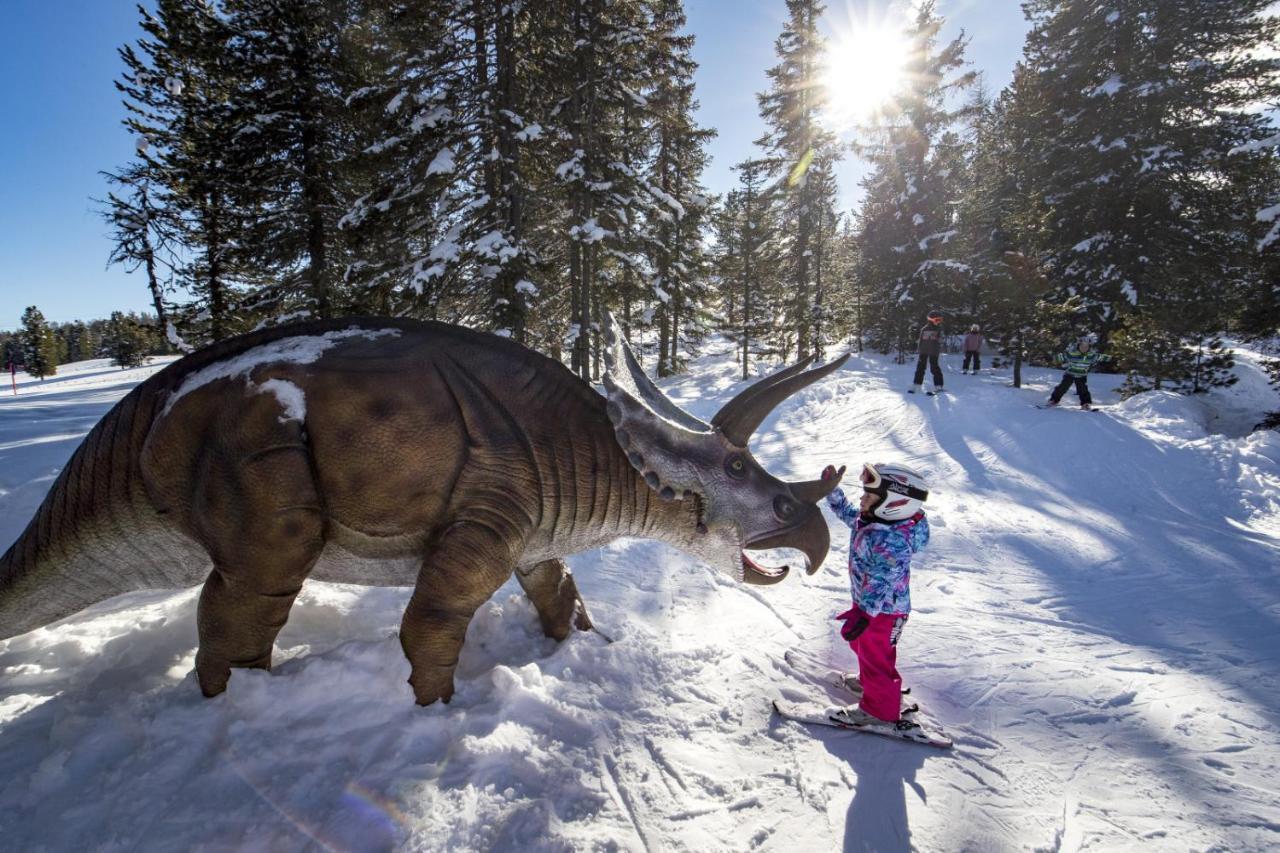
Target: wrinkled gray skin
<point>393,452</point>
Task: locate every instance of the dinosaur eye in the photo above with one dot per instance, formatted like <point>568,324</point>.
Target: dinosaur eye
<point>784,508</point>
<point>736,467</point>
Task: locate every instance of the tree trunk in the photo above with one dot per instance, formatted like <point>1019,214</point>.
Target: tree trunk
<point>508,309</point>
<point>1017,360</point>
<point>217,298</point>
<point>312,181</point>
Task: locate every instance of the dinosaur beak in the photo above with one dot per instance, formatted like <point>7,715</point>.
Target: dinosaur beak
<point>811,537</point>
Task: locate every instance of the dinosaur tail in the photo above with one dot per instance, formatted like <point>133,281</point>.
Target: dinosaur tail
<point>92,537</point>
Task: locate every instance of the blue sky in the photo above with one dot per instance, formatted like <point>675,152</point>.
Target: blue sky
<point>61,126</point>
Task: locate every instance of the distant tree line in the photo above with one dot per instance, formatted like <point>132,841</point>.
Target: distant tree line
<point>39,346</point>
<point>523,168</point>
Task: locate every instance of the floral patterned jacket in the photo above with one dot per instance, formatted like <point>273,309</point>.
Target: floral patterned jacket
<point>880,557</point>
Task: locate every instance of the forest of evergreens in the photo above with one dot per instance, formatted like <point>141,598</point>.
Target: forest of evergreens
<point>524,167</point>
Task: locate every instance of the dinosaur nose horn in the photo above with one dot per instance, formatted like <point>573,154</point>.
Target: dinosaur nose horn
<point>738,419</point>
<point>812,491</point>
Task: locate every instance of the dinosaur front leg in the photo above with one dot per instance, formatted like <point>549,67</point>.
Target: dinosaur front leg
<point>549,585</point>
<point>467,565</point>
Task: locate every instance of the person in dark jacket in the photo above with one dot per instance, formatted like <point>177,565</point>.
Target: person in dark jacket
<point>1078,361</point>
<point>930,348</point>
<point>973,349</point>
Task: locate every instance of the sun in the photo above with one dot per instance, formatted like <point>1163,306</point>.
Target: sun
<point>864,67</point>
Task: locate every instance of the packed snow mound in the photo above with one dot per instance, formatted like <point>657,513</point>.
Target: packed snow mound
<point>1100,589</point>
<point>1164,414</point>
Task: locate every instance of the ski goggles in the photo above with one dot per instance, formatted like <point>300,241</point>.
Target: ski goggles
<point>877,485</point>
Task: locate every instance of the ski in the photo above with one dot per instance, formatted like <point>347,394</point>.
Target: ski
<point>917,729</point>
<point>846,683</point>
<point>1070,407</point>
<point>819,673</point>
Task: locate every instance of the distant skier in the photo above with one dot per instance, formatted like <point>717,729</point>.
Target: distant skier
<point>889,526</point>
<point>1078,361</point>
<point>973,349</point>
<point>930,348</point>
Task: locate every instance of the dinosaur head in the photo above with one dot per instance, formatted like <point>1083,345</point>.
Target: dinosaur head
<point>740,507</point>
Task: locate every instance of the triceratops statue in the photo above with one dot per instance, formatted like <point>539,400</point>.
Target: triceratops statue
<point>392,452</point>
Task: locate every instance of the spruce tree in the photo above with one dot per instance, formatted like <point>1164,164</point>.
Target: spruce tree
<point>127,340</point>
<point>908,214</point>
<point>679,204</point>
<point>178,86</point>
<point>748,264</point>
<point>794,143</point>
<point>39,346</point>
<point>288,153</point>
<point>143,233</point>
<point>1144,103</point>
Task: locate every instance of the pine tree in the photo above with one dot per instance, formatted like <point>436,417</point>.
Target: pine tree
<point>425,163</point>
<point>851,293</point>
<point>748,263</point>
<point>908,214</point>
<point>679,200</point>
<point>1144,103</point>
<point>288,154</point>
<point>144,235</point>
<point>795,142</point>
<point>1001,228</point>
<point>127,340</point>
<point>39,346</point>
<point>178,86</point>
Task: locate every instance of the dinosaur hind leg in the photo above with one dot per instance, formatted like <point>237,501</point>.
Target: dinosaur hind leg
<point>549,585</point>
<point>260,517</point>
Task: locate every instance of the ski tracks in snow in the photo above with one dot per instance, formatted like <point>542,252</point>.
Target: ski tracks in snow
<point>1095,624</point>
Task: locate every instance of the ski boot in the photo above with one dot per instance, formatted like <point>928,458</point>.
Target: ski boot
<point>855,717</point>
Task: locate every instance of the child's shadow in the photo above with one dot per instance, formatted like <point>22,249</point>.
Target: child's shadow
<point>877,816</point>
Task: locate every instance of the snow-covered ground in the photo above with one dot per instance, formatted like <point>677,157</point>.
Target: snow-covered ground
<point>1097,623</point>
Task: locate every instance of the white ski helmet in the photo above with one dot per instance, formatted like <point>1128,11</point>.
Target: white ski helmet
<point>901,490</point>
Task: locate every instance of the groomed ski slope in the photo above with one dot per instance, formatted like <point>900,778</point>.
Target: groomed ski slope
<point>1097,624</point>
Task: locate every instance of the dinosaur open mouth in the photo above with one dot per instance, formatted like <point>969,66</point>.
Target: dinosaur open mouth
<point>761,574</point>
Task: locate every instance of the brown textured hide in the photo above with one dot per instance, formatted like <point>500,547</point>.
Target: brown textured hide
<point>463,452</point>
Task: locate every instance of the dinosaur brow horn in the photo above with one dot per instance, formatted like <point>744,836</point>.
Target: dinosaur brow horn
<point>737,423</point>
<point>731,410</point>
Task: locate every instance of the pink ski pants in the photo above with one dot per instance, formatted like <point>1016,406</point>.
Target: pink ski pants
<point>877,651</point>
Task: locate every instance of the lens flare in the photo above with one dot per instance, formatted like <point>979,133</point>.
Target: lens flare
<point>864,67</point>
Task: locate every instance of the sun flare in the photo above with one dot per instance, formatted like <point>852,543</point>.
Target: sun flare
<point>863,68</point>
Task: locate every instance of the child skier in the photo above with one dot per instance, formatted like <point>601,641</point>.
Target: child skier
<point>889,526</point>
<point>930,348</point>
<point>1078,361</point>
<point>973,349</point>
